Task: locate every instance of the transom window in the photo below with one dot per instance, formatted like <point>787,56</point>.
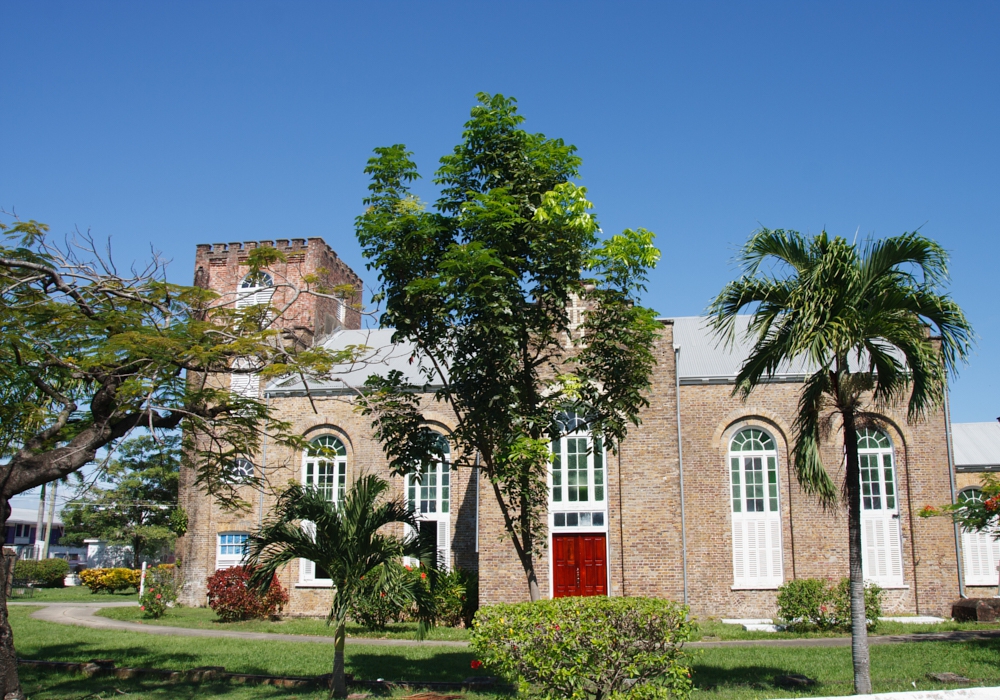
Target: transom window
<point>240,471</point>
<point>325,467</point>
<point>257,280</point>
<point>972,495</point>
<point>429,490</point>
<point>255,289</point>
<point>578,474</point>
<point>878,480</point>
<point>230,549</point>
<point>753,467</point>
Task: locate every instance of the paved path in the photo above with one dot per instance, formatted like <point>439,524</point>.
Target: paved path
<point>82,614</point>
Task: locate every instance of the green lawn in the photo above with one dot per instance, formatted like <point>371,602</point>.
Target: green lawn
<point>73,594</point>
<point>204,618</point>
<point>734,673</point>
<point>712,630</point>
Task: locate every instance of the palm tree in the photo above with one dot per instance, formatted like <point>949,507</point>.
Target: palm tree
<point>348,542</point>
<point>863,316</point>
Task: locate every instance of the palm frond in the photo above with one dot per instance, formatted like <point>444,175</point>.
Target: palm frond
<point>809,469</point>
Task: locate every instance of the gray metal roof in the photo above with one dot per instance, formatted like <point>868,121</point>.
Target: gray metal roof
<point>703,357</point>
<point>977,445</point>
<point>375,354</point>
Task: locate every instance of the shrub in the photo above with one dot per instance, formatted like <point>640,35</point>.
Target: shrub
<point>805,604</point>
<point>48,573</point>
<point>232,598</point>
<point>153,601</point>
<point>588,647</point>
<point>841,599</point>
<point>811,603</point>
<point>452,603</point>
<point>110,580</point>
<point>375,607</point>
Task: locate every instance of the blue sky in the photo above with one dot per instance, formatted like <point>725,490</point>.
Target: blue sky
<point>164,125</point>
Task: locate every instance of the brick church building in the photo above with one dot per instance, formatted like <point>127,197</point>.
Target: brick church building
<point>700,504</point>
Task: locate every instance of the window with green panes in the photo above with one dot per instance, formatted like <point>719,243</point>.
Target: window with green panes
<point>578,473</point>
<point>429,490</point>
<point>878,476</point>
<point>325,467</point>
<point>753,472</point>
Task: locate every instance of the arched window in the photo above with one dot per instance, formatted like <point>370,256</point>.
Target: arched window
<point>753,477</point>
<point>980,552</point>
<point>239,471</point>
<point>428,496</point>
<point>578,475</point>
<point>255,289</point>
<point>230,549</point>
<point>881,541</point>
<point>325,467</point>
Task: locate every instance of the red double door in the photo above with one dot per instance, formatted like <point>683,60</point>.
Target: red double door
<point>580,565</point>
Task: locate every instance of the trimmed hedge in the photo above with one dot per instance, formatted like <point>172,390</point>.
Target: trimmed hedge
<point>110,580</point>
<point>48,573</point>
<point>593,647</point>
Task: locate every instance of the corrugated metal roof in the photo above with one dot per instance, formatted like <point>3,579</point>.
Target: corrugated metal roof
<point>976,444</point>
<point>705,357</point>
<point>376,354</point>
<point>29,515</point>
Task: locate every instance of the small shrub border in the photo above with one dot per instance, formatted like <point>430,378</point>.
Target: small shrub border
<point>232,598</point>
<point>810,603</point>
<point>110,580</point>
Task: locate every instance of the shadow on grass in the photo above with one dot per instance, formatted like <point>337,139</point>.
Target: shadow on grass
<point>453,666</point>
<point>708,677</point>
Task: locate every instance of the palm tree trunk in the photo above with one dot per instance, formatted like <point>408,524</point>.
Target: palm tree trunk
<point>338,686</point>
<point>859,618</point>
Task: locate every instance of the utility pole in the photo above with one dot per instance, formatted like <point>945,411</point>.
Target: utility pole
<point>38,529</point>
<point>48,524</point>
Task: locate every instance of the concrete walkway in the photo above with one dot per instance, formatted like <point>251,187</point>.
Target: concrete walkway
<point>82,615</point>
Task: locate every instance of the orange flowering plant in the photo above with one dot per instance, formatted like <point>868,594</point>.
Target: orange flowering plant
<point>976,510</point>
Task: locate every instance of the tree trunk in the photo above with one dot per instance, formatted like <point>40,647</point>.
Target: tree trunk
<point>338,684</point>
<point>8,656</point>
<point>859,618</point>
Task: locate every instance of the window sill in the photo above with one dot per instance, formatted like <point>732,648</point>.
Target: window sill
<point>314,584</point>
<point>772,587</point>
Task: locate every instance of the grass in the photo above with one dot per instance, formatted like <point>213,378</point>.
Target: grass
<point>205,618</point>
<point>734,673</point>
<point>714,630</point>
<point>73,594</point>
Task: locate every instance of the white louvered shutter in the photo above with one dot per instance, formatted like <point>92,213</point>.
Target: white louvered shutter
<point>253,297</point>
<point>982,554</point>
<point>443,546</point>
<point>308,571</point>
<point>244,383</point>
<point>882,560</point>
<point>757,551</point>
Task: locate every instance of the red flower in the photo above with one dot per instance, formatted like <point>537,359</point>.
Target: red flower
<point>992,504</point>
<point>476,664</point>
<point>142,607</point>
<point>423,575</point>
<point>409,568</point>
<point>555,627</point>
<point>158,596</point>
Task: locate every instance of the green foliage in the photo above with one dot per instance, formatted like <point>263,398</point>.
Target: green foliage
<point>980,513</point>
<point>350,542</point>
<point>456,597</point>
<point>110,580</point>
<point>592,647</point>
<point>48,573</point>
<point>481,285</point>
<point>137,505</point>
<point>808,604</point>
<point>158,593</point>
<point>88,354</point>
<point>234,597</point>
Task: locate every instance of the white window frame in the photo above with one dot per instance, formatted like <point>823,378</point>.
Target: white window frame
<point>441,513</point>
<point>250,291</point>
<point>576,434</point>
<point>756,535</point>
<point>881,535</point>
<point>980,550</point>
<point>311,462</point>
<point>225,560</point>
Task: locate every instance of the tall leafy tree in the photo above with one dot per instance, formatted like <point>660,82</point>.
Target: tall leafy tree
<point>874,323</point>
<point>89,353</point>
<point>481,286</point>
<point>349,542</point>
<point>134,502</point>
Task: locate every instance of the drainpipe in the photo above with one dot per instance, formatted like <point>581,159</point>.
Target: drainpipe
<point>477,504</point>
<point>263,463</point>
<point>951,476</point>
<point>680,466</point>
